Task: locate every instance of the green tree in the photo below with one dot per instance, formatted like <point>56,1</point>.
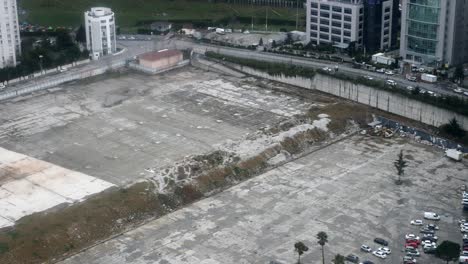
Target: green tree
<point>322,240</point>
<point>81,34</point>
<point>300,248</point>
<point>260,42</point>
<point>453,129</point>
<point>448,251</point>
<point>339,259</point>
<point>459,74</point>
<point>400,165</point>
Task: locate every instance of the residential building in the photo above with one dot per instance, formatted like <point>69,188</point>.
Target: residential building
<point>10,43</point>
<point>100,31</point>
<point>434,32</point>
<point>161,59</point>
<point>338,22</point>
<point>378,25</point>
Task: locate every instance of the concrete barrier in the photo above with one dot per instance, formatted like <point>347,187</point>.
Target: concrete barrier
<point>384,100</point>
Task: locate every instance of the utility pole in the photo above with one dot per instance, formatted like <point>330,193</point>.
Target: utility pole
<point>40,62</point>
<point>252,7</point>
<point>266,19</point>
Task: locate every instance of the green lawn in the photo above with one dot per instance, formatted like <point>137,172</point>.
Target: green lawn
<point>129,12</point>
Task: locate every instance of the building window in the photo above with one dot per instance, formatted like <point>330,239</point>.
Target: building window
<point>336,16</point>
<point>347,33</point>
<point>324,29</point>
<point>325,14</point>
<point>324,7</point>
<point>347,25</point>
<point>336,31</point>
<point>314,5</point>
<point>336,24</point>
<point>347,18</point>
<point>337,9</point>
<point>348,11</point>
<point>324,21</point>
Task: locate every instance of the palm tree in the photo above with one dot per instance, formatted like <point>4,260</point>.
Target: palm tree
<point>300,248</point>
<point>339,259</point>
<point>322,240</point>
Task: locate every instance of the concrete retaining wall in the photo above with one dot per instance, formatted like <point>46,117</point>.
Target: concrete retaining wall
<point>384,100</point>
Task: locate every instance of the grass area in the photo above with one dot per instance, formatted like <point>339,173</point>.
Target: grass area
<point>129,13</point>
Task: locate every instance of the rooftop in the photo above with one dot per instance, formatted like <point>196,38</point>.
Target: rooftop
<point>161,54</point>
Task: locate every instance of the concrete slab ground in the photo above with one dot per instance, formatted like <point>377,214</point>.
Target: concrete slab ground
<point>28,185</point>
<point>116,126</point>
<point>346,189</point>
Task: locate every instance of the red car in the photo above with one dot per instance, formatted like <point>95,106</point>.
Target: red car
<point>418,242</point>
<point>412,245</point>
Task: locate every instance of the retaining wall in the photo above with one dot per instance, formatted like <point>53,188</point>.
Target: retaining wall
<point>384,100</point>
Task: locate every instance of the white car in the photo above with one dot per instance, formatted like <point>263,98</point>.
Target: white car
<point>366,248</point>
<point>379,254</point>
<point>412,78</point>
<point>391,82</point>
<point>465,201</point>
<point>409,259</point>
<point>458,90</point>
<point>327,69</point>
<point>431,216</point>
<point>417,222</point>
<point>382,70</point>
<point>369,77</point>
<point>409,88</point>
<point>63,69</point>
<point>465,93</point>
<point>412,237</point>
<point>389,73</point>
<point>385,250</point>
<point>2,86</point>
<point>428,243</point>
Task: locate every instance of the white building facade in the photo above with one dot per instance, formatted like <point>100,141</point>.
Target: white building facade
<point>337,22</point>
<point>10,42</point>
<point>100,32</point>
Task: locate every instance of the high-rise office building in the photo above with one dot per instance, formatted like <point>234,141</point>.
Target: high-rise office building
<point>378,25</point>
<point>434,32</point>
<point>337,22</point>
<point>100,31</point>
<point>10,43</point>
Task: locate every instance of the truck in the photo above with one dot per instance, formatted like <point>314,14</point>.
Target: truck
<point>454,154</point>
<point>463,259</point>
<point>428,78</point>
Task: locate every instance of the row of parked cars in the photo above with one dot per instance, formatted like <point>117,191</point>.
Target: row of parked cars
<point>427,239</point>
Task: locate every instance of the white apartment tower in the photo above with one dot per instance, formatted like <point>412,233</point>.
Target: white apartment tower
<point>10,43</point>
<point>337,22</point>
<point>100,31</point>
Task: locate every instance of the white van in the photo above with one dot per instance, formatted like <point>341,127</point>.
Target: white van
<point>463,259</point>
<point>431,216</point>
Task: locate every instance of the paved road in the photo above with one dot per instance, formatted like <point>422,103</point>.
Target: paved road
<point>141,45</point>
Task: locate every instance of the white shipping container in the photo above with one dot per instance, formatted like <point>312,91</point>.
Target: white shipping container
<point>428,78</point>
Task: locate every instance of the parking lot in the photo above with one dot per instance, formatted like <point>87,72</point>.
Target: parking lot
<point>346,189</point>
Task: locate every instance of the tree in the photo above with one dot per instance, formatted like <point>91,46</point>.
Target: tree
<point>400,165</point>
<point>448,251</point>
<point>339,259</point>
<point>453,129</point>
<point>81,34</point>
<point>416,91</point>
<point>459,74</point>
<point>300,248</point>
<point>322,240</point>
<point>260,42</point>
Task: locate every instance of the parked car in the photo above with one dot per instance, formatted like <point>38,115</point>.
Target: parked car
<point>389,72</point>
<point>432,227</point>
<point>411,245</point>
<point>412,252</point>
<point>458,90</point>
<point>2,86</point>
<point>381,70</point>
<point>367,262</point>
<point>352,258</point>
<point>407,259</point>
<point>385,250</point>
<point>431,216</point>
<point>379,254</point>
<point>426,231</point>
<point>430,236</point>
<point>369,77</point>
<point>429,250</point>
<point>411,236</point>
<point>426,243</point>
<point>465,93</point>
<point>412,78</point>
<point>366,248</point>
<point>417,222</point>
<point>381,241</point>
<point>409,88</point>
